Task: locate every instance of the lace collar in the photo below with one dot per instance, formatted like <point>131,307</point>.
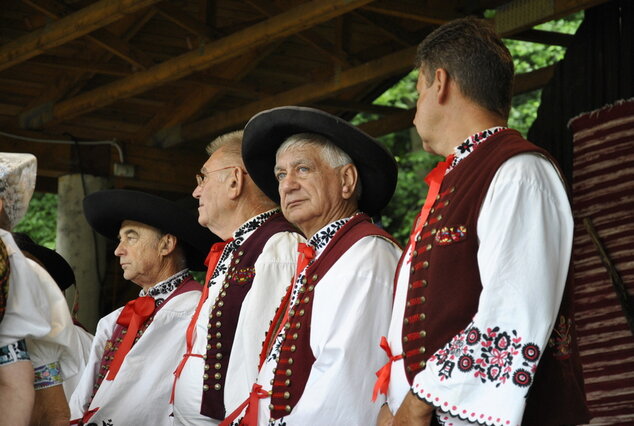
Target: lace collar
<point>163,289</point>
<point>470,144</point>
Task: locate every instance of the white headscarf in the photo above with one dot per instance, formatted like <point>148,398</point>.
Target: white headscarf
<point>17,182</point>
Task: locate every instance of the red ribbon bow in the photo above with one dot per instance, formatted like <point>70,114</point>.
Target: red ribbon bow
<point>383,375</point>
<point>252,403</point>
<point>133,316</point>
<point>210,262</point>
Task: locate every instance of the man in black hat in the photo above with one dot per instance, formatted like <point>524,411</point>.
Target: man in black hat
<point>319,356</point>
<point>129,377</point>
<point>247,276</point>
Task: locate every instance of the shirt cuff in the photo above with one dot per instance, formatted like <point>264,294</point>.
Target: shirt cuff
<point>48,375</point>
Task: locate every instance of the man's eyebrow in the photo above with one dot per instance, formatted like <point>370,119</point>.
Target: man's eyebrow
<point>127,232</point>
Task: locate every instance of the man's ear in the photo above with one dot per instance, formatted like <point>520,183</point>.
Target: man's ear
<point>441,84</point>
<point>235,183</point>
<point>349,178</point>
<point>167,244</point>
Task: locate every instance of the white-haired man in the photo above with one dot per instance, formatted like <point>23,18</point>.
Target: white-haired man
<point>246,277</point>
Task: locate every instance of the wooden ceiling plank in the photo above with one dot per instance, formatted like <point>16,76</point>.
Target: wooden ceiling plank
<point>188,106</point>
<point>386,27</point>
<point>101,37</point>
<point>297,19</point>
<point>404,10</point>
<point>70,27</point>
<point>388,65</point>
<point>270,9</point>
<point>184,20</point>
<point>67,84</point>
<point>79,65</point>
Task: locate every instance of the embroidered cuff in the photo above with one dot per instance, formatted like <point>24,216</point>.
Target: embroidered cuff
<point>47,375</point>
<point>13,352</point>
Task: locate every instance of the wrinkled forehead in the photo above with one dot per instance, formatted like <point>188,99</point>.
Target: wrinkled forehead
<point>132,226</point>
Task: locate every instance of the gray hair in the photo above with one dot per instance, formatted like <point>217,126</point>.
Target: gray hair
<point>330,153</point>
<point>231,142</point>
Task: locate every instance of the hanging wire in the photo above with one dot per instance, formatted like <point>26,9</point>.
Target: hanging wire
<point>67,142</point>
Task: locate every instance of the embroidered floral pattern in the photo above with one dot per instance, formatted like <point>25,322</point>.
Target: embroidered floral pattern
<point>47,375</point>
<point>448,235</point>
<point>493,356</point>
<point>470,144</point>
<point>560,339</point>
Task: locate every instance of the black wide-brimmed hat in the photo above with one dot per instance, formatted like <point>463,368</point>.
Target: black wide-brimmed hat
<point>106,210</point>
<point>53,262</point>
<point>267,130</point>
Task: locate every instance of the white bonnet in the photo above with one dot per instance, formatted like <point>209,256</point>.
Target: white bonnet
<point>17,182</point>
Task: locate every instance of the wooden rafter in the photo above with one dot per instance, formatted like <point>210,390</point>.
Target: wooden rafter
<point>191,102</point>
<point>269,9</point>
<point>412,11</point>
<point>297,19</point>
<point>388,28</point>
<point>67,84</point>
<point>71,27</point>
<point>380,68</point>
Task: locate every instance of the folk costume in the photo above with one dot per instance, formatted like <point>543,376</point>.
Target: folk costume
<point>136,348</point>
<point>35,308</point>
<point>46,357</point>
<point>482,324</point>
<point>247,277</point>
<point>316,366</point>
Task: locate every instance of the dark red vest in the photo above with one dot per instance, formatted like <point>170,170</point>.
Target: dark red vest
<point>445,286</point>
<point>226,310</point>
<point>296,357</point>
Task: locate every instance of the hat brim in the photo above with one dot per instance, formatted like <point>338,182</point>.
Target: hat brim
<point>106,210</point>
<point>267,130</point>
<point>53,262</point>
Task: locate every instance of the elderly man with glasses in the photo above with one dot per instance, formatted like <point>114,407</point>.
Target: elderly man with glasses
<point>247,275</point>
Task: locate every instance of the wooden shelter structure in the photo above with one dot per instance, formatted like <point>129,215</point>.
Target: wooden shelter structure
<point>161,78</point>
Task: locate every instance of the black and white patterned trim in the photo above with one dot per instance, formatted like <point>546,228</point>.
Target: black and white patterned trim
<point>470,144</point>
<point>162,290</point>
<point>239,236</point>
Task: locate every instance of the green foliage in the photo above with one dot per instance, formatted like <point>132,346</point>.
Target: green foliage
<point>40,221</point>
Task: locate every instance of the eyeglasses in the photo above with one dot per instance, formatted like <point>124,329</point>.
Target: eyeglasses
<point>200,177</point>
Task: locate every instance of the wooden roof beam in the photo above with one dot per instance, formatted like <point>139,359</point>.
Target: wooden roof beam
<point>386,27</point>
<point>189,105</point>
<point>71,27</point>
<point>404,11</point>
<point>544,37</point>
<point>269,9</point>
<point>184,20</point>
<point>391,123</point>
<point>297,19</point>
<point>101,37</point>
<point>392,64</point>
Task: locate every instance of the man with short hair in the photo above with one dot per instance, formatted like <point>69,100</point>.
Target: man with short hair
<point>482,328</point>
<point>128,378</point>
<point>247,276</point>
<point>319,356</point>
